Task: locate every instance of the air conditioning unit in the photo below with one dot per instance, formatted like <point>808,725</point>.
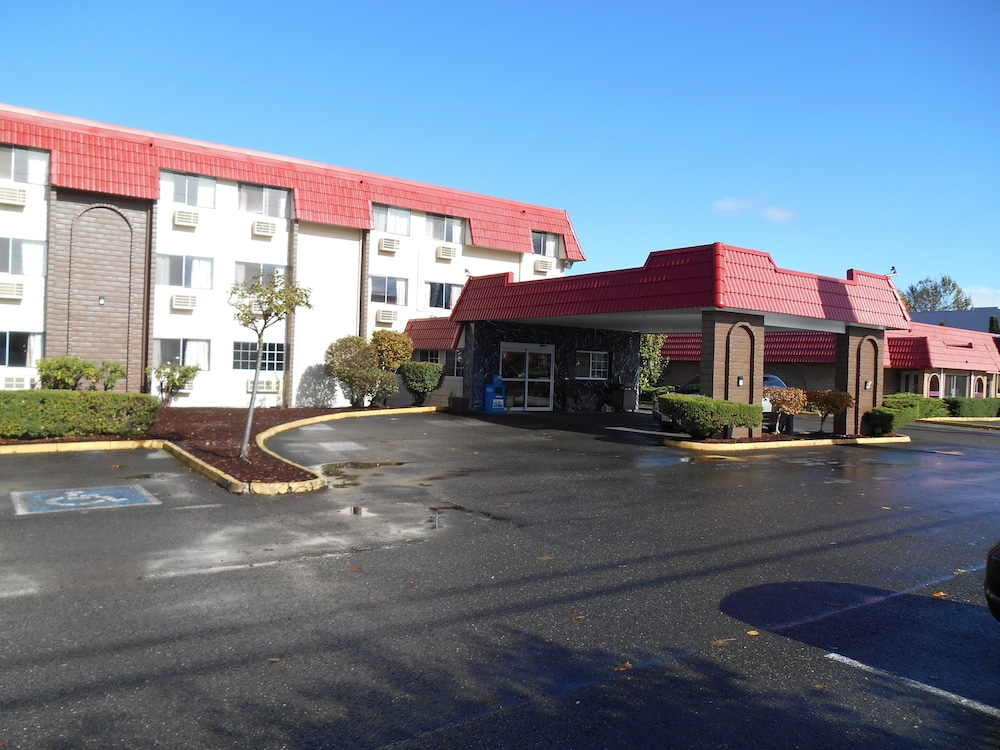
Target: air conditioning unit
<point>17,384</point>
<point>447,253</point>
<point>12,196</point>
<point>187,387</point>
<point>388,245</point>
<point>544,266</point>
<point>264,228</point>
<point>264,386</point>
<point>183,301</point>
<point>11,290</point>
<point>185,218</point>
<point>385,316</point>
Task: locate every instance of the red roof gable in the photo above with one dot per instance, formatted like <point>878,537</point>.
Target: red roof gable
<point>125,162</point>
<point>816,347</point>
<point>930,347</point>
<point>708,276</point>
<point>434,333</point>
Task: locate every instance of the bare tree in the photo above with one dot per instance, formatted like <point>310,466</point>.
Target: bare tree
<point>261,302</point>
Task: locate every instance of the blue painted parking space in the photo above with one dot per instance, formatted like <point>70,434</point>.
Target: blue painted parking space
<point>93,498</point>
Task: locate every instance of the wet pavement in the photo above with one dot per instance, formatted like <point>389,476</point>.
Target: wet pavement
<point>508,580</point>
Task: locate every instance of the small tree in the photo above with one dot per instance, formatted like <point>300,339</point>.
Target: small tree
<point>651,361</point>
<point>260,303</point>
<point>171,379</point>
<point>108,374</point>
<point>790,401</point>
<point>828,402</point>
<point>929,295</point>
<point>391,349</point>
<point>421,378</point>
<point>64,373</point>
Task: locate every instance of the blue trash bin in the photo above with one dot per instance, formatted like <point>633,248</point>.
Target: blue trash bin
<point>495,401</point>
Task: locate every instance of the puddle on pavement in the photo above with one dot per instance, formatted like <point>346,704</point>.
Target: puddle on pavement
<point>347,479</point>
<point>655,460</point>
<point>357,510</point>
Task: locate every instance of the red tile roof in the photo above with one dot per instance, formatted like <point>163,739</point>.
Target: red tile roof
<point>708,276</point>
<point>434,333</point>
<point>922,347</point>
<point>930,347</point>
<point>125,162</point>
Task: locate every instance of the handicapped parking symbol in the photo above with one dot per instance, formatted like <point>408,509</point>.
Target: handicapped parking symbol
<point>94,498</point>
<point>83,499</point>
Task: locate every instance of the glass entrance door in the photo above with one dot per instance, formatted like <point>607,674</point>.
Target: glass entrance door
<point>527,372</point>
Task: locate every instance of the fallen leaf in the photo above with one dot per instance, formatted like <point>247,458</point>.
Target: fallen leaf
<point>625,666</point>
<point>960,571</point>
<point>753,632</point>
<point>545,557</point>
<point>116,466</point>
<point>939,594</point>
<point>269,549</point>
<point>274,660</point>
<point>578,618</point>
<point>355,569</point>
<point>819,686</point>
<point>720,642</point>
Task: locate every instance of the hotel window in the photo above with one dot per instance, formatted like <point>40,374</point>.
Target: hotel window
<point>251,271</point>
<point>23,165</point>
<point>392,220</point>
<point>454,365</point>
<point>186,352</point>
<point>592,365</point>
<point>19,349</point>
<point>272,358</point>
<point>389,290</point>
<point>256,199</point>
<point>444,295</point>
<point>191,190</point>
<point>546,244</point>
<point>428,355</point>
<point>22,257</point>
<point>184,270</point>
<point>445,228</point>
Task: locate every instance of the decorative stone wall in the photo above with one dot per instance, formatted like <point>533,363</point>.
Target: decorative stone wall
<point>482,361</point>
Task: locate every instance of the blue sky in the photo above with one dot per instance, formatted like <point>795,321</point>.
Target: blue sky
<point>832,135</point>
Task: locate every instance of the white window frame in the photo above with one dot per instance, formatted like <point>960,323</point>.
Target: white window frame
<point>24,165</point>
<point>264,201</point>
<point>187,349</point>
<point>391,220</point>
<point>187,262</point>
<point>245,356</point>
<point>547,244</point>
<point>384,297</point>
<point>448,294</point>
<point>596,364</point>
<point>32,344</point>
<point>428,355</point>
<point>259,269</point>
<point>23,257</point>
<point>192,190</point>
<point>454,363</point>
<point>444,228</point>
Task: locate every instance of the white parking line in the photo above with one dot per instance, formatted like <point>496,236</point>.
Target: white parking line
<point>952,697</point>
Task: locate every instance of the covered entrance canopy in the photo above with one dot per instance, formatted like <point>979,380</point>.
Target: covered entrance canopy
<point>728,294</point>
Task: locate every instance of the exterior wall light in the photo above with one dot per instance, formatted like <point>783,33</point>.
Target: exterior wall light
<point>100,300</point>
<point>739,381</point>
<point>868,385</point>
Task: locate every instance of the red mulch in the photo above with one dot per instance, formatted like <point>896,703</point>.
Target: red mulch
<point>214,435</point>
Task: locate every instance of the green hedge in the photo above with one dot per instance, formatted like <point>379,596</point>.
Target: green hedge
<point>702,417</point>
<point>973,407</point>
<point>30,415</point>
<point>928,407</point>
<point>883,420</point>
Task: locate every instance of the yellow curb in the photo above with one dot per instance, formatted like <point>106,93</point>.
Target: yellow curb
<point>965,422</point>
<point>781,444</point>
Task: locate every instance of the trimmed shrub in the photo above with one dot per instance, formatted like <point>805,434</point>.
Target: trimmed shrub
<point>928,407</point>
<point>30,415</point>
<point>701,416</point>
<point>973,407</point>
<point>828,402</point>
<point>421,378</point>
<point>885,421</point>
<point>64,373</point>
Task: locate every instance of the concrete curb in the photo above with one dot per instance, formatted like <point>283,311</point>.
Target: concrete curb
<point>228,483</point>
<point>965,422</point>
<point>781,444</point>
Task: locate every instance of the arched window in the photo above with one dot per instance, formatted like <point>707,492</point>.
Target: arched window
<point>934,387</point>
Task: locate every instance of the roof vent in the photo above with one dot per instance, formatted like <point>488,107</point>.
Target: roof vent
<point>385,316</point>
<point>388,245</point>
<point>185,218</point>
<point>444,252</point>
<point>12,196</point>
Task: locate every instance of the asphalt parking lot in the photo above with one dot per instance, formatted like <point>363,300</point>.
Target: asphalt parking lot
<point>531,581</point>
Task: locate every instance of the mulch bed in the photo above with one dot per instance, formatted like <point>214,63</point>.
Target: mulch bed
<point>214,435</point>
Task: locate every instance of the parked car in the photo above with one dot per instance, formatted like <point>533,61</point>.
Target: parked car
<point>693,387</point>
<point>991,582</point>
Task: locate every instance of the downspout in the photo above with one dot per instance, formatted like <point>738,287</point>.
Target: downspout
<point>363,285</point>
<point>287,380</point>
<point>147,298</point>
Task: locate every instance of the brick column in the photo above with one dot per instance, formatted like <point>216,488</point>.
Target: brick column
<point>859,371</point>
<point>732,347</point>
